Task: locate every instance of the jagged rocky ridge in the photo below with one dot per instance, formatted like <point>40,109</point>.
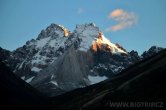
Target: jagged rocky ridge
<point>59,61</point>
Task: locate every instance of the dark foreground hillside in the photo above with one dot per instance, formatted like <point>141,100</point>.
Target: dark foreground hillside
<point>17,94</point>
<point>142,82</point>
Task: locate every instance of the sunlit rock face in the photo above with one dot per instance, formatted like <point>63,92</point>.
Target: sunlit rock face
<point>58,60</point>
<point>103,44</point>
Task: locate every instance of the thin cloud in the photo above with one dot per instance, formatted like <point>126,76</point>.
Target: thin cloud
<point>125,19</point>
<point>80,11</point>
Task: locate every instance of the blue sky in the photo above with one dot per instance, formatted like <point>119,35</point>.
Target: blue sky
<point>22,20</point>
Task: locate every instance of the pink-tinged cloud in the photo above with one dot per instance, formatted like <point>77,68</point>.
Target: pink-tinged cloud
<point>115,13</point>
<point>124,19</point>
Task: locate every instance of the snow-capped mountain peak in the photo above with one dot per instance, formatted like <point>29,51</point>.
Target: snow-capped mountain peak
<point>87,33</point>
<point>48,46</point>
<point>48,41</point>
<point>90,34</point>
<point>53,31</point>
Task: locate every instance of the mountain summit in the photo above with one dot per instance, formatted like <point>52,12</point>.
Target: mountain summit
<point>59,60</point>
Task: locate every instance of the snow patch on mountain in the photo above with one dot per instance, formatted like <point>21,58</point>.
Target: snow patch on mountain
<point>96,79</point>
<point>54,82</point>
<point>23,77</point>
<point>115,48</point>
<point>35,69</point>
<point>20,66</point>
<point>30,79</point>
<point>38,59</point>
<point>42,42</point>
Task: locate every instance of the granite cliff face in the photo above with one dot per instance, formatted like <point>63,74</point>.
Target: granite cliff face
<point>68,72</point>
<point>58,60</point>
